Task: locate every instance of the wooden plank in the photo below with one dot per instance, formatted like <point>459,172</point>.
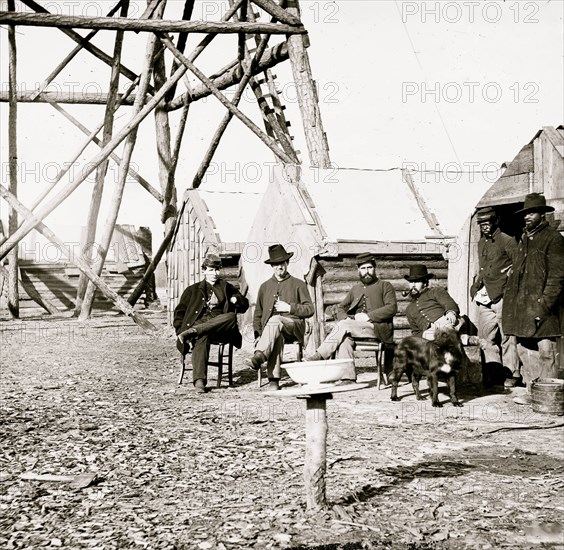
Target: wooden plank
<point>54,286</point>
<point>167,164</point>
<point>119,187</point>
<point>145,25</point>
<point>12,271</point>
<point>461,270</point>
<point>101,169</point>
<point>319,321</point>
<point>32,292</point>
<point>308,103</point>
<point>539,170</point>
<point>555,138</point>
<point>388,247</point>
<point>552,172</point>
<point>82,98</point>
<point>506,190</point>
<point>384,262</point>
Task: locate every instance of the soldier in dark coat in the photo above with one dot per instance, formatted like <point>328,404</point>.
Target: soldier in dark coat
<point>430,308</point>
<point>283,305</point>
<point>207,311</point>
<point>366,311</point>
<point>534,292</point>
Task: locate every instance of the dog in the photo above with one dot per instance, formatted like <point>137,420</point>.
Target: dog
<point>418,357</point>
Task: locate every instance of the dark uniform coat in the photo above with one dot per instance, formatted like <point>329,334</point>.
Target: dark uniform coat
<point>192,306</point>
<point>290,290</point>
<point>535,285</point>
<point>495,255</point>
<point>428,307</point>
<point>381,306</point>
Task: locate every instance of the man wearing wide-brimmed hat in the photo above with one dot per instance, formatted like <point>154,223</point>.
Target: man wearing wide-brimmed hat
<point>207,311</point>
<point>283,305</point>
<point>430,308</point>
<point>495,256</point>
<point>366,311</point>
<point>534,294</point>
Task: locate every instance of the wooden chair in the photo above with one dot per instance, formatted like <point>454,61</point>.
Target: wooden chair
<point>379,349</point>
<point>299,358</point>
<point>221,356</point>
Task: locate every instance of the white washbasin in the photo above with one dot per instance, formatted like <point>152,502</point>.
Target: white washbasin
<point>312,373</point>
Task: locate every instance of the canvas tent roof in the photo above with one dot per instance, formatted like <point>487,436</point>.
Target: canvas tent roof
<point>360,205</point>
<point>383,205</point>
<point>228,214</point>
<point>452,196</point>
<point>232,212</point>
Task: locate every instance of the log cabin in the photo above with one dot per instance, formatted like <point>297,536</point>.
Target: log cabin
<point>327,217</point>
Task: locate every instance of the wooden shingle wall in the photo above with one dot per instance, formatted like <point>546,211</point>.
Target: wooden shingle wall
<point>42,265</point>
<point>58,282</point>
<point>194,240</point>
<point>185,258</point>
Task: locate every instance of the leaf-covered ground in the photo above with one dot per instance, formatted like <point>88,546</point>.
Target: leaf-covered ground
<point>172,469</point>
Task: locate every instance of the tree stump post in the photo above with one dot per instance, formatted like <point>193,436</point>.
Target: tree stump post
<point>316,450</point>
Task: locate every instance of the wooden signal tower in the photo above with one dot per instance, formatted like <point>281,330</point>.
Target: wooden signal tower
<point>257,24</point>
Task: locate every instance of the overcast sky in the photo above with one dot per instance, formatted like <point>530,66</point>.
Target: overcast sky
<point>440,85</point>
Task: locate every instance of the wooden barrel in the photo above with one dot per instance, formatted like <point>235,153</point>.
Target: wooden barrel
<point>548,396</point>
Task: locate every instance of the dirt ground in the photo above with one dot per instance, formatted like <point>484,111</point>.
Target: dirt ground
<point>171,469</point>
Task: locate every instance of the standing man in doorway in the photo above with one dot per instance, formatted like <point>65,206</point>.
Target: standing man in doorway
<point>533,295</point>
<point>495,257</point>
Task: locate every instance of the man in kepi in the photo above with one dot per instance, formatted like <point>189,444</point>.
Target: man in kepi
<point>283,305</point>
<point>495,254</point>
<point>207,312</point>
<point>367,311</point>
<point>533,295</point>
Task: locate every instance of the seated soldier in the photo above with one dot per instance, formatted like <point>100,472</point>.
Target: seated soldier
<point>283,305</point>
<point>207,311</point>
<point>431,308</point>
<point>367,311</point>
